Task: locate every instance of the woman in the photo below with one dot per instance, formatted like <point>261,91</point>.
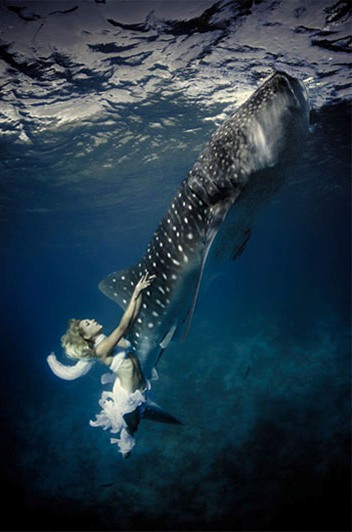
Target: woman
<point>85,342</point>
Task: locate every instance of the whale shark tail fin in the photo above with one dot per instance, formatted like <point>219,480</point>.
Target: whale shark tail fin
<point>154,412</point>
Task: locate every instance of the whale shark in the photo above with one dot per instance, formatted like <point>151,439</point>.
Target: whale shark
<point>239,170</point>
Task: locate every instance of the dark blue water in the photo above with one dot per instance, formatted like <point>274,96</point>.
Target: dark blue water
<point>104,110</point>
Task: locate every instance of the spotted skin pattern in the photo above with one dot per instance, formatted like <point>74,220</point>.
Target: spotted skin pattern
<point>237,171</point>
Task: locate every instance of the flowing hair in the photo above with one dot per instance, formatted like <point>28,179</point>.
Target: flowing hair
<point>75,346</point>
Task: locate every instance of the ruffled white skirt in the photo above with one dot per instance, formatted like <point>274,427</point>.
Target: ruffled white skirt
<point>115,405</point>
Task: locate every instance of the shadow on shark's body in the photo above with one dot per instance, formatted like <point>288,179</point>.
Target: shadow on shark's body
<point>237,173</point>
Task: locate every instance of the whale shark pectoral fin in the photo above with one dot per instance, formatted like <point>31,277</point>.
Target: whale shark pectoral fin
<point>119,285</point>
<point>154,375</point>
<point>164,342</point>
<point>196,291</point>
<point>168,336</point>
<point>238,251</point>
<point>154,412</point>
<point>219,215</point>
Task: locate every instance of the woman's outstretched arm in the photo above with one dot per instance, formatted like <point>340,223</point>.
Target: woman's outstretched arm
<point>130,314</point>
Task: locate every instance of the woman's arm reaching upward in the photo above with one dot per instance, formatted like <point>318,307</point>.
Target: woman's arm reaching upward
<point>106,346</point>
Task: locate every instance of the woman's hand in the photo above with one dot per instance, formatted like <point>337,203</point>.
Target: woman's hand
<point>143,283</point>
<point>104,350</point>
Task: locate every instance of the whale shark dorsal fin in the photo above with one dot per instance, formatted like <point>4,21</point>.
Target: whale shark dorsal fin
<point>119,285</point>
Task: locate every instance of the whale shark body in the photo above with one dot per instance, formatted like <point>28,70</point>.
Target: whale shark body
<point>237,173</point>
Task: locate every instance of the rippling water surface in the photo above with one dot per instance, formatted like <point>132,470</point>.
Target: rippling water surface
<point>104,107</point>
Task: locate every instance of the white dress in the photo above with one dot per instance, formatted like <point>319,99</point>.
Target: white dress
<point>116,403</point>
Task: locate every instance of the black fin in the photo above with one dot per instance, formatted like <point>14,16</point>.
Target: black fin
<point>219,215</point>
<point>154,412</point>
<point>240,250</point>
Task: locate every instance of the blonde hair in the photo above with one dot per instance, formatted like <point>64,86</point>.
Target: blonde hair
<point>74,344</point>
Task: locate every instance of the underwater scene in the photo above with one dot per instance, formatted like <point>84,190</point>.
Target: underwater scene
<point>105,108</point>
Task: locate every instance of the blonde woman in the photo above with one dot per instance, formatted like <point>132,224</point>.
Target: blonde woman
<point>85,342</point>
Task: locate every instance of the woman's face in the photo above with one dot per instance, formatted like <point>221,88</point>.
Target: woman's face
<point>90,328</point>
